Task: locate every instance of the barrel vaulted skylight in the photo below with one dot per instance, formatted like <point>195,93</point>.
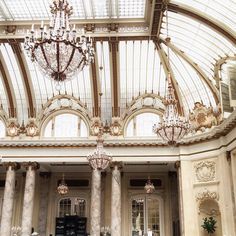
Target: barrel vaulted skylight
<point>83,9</point>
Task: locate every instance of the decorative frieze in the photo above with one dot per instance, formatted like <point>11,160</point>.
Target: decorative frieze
<point>205,171</point>
<point>207,195</point>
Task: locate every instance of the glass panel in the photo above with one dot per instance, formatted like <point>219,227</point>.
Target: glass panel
<point>105,78</point>
<point>153,217</point>
<point>17,81</point>
<point>2,129</point>
<point>223,12</point>
<point>66,125</point>
<point>137,217</point>
<point>141,71</point>
<point>198,41</point>
<point>48,130</point>
<point>65,207</point>
<point>79,207</point>
<point>144,124</point>
<point>131,8</point>
<point>83,129</point>
<point>130,129</point>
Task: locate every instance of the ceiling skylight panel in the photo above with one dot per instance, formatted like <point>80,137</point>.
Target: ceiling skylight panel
<point>131,8</point>
<point>223,12</point>
<point>78,9</point>
<point>16,80</point>
<point>104,78</point>
<point>101,8</point>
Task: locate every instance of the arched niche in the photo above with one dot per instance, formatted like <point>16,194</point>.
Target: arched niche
<point>210,208</point>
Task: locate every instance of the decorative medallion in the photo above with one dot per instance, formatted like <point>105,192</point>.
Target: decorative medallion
<point>205,171</point>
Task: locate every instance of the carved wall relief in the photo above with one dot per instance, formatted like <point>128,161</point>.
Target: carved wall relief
<point>205,171</point>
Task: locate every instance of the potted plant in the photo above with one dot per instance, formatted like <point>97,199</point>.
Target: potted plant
<point>209,225</point>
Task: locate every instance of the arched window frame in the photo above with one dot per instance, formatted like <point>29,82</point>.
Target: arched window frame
<point>133,117</point>
<point>52,117</point>
<point>3,121</point>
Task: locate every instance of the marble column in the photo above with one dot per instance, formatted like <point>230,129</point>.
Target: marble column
<point>116,199</point>
<point>8,199</point>
<point>43,205</point>
<point>181,214</point>
<point>28,203</point>
<point>95,213</point>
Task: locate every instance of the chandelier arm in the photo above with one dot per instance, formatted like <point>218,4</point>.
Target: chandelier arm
<point>58,58</point>
<point>44,54</point>
<point>70,59</point>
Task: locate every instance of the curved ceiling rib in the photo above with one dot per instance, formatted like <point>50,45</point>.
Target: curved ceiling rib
<point>195,66</point>
<point>94,83</point>
<point>8,88</point>
<point>203,19</point>
<point>168,69</point>
<point>27,82</point>
<point>115,80</point>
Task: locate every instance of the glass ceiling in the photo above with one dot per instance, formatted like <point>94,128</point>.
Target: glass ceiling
<point>203,45</point>
<point>44,89</point>
<point>218,10</point>
<point>83,9</point>
<point>16,80</point>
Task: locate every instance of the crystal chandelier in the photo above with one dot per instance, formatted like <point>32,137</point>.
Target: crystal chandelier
<point>149,187</point>
<point>99,159</point>
<point>58,52</point>
<point>173,127</point>
<point>62,188</point>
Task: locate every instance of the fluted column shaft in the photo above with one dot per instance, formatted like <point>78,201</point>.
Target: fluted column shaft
<point>28,203</point>
<point>8,199</point>
<point>116,200</point>
<point>95,213</point>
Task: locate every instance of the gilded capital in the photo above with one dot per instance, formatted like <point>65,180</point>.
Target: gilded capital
<point>34,165</point>
<point>119,165</point>
<point>13,165</point>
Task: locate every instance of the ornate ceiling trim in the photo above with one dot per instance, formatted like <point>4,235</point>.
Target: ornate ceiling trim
<point>215,133</point>
<point>28,87</point>
<point>203,19</point>
<point>159,8</point>
<point>8,88</point>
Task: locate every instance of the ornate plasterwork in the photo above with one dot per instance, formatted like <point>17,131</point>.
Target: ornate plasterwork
<point>207,195</point>
<point>205,171</point>
<point>203,117</point>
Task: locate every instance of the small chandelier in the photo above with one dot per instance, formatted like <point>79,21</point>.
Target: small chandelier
<point>58,51</point>
<point>149,187</point>
<point>99,159</point>
<point>62,188</point>
<point>173,127</point>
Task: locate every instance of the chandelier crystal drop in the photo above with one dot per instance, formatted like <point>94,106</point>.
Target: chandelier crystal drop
<point>58,51</point>
<point>99,159</point>
<point>62,188</point>
<point>173,127</point>
<point>149,187</point>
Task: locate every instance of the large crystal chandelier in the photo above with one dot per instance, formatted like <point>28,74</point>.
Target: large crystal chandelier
<point>62,188</point>
<point>173,127</point>
<point>99,159</point>
<point>58,51</point>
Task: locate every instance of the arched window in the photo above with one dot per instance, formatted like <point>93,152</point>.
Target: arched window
<point>72,206</point>
<point>66,125</point>
<point>141,125</point>
<point>2,129</point>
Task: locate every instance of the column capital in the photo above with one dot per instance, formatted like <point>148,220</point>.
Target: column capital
<point>34,165</point>
<point>177,164</point>
<point>119,165</point>
<point>13,165</point>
